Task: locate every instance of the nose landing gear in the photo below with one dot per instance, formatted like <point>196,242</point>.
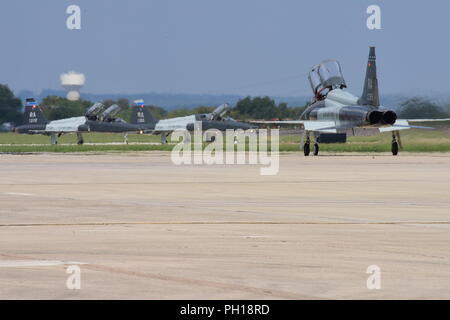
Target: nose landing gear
<point>306,149</point>
<point>316,149</point>
<point>307,145</point>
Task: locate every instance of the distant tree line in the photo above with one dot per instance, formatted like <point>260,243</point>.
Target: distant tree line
<point>420,108</point>
<point>264,108</point>
<point>55,107</point>
<point>10,106</point>
<point>261,108</point>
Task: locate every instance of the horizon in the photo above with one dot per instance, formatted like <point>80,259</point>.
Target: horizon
<point>170,101</point>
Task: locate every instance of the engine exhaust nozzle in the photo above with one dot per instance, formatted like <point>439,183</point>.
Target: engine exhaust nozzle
<point>375,117</point>
<point>389,117</point>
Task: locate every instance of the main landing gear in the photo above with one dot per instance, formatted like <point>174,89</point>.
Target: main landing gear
<point>80,139</point>
<point>164,137</point>
<point>316,149</point>
<point>396,143</point>
<point>307,148</point>
<point>53,139</point>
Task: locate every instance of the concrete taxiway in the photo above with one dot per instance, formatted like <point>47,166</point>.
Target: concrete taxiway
<point>140,227</point>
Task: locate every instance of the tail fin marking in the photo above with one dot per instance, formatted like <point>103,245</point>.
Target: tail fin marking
<point>370,95</point>
<point>141,114</point>
<point>33,113</point>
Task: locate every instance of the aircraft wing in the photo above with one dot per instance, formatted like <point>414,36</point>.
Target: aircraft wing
<point>308,125</point>
<point>428,120</point>
<point>403,124</point>
<point>65,125</point>
<point>331,126</point>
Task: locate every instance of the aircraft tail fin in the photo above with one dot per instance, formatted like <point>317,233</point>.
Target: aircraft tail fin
<point>370,94</point>
<point>141,114</point>
<point>33,113</point>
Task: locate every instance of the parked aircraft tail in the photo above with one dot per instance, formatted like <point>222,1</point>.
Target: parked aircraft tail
<point>370,95</point>
<point>33,113</point>
<point>141,114</point>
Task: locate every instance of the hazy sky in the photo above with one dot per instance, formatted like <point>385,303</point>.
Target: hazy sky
<point>222,46</point>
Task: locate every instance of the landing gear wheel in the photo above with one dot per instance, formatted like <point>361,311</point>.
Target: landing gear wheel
<point>163,138</point>
<point>394,148</point>
<point>316,149</point>
<point>80,139</point>
<point>306,149</point>
<point>53,139</point>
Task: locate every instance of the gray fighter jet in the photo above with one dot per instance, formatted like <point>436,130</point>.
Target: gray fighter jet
<point>96,119</point>
<point>334,110</point>
<point>214,120</point>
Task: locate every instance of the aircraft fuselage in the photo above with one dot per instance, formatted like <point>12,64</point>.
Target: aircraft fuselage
<point>343,108</point>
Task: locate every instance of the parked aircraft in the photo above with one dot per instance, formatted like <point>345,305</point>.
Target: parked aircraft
<point>99,119</point>
<point>96,119</point>
<point>214,120</point>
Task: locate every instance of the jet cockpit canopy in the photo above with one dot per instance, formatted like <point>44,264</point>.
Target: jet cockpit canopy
<point>108,114</point>
<point>326,75</point>
<point>93,112</point>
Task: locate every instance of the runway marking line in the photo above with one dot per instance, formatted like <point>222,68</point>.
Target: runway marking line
<point>223,223</point>
<point>18,194</point>
<point>36,263</point>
